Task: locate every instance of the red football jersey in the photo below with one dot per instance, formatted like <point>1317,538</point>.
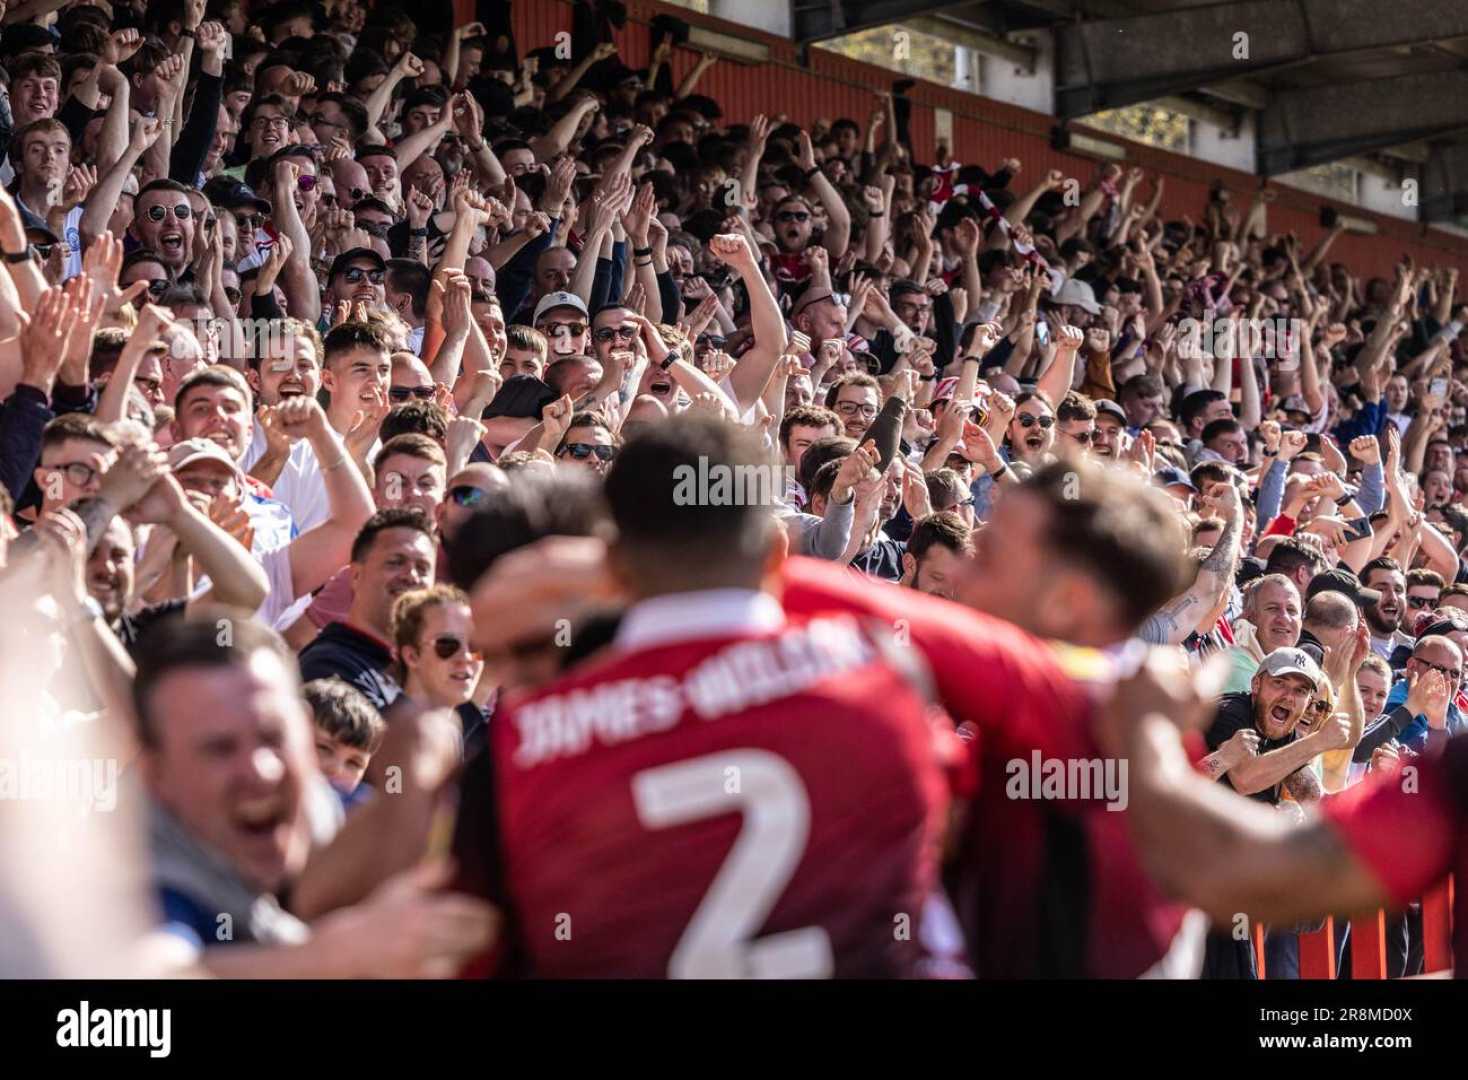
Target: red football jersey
<point>1043,887</point>
<point>762,804</point>
<point>1410,839</point>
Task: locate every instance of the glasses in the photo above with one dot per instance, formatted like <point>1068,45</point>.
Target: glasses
<point>356,275</point>
<point>851,408</point>
<point>358,194</point>
<point>1453,674</point>
<point>575,329</point>
<point>710,341</point>
<point>1421,602</point>
<point>306,182</point>
<point>181,212</point>
<point>1085,438</point>
<point>157,287</point>
<point>328,199</point>
<point>467,496</point>
<point>248,222</point>
<point>44,250</point>
<point>448,646</point>
<point>403,393</point>
<point>1028,421</point>
<point>609,333</point>
<point>915,307</point>
<point>581,451</point>
<point>79,474</point>
<point>271,121</point>
<point>374,228</point>
<point>1321,707</point>
<point>785,216</point>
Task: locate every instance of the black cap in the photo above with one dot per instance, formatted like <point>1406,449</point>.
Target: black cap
<point>1110,408</point>
<point>1342,581</point>
<point>339,263</point>
<point>229,193</point>
<point>521,397</point>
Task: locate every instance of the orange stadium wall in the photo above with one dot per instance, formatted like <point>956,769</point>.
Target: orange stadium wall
<point>984,130</point>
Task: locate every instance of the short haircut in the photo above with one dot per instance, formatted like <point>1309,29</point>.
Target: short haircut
<point>1332,610</point>
<point>527,339</point>
<point>1384,562</point>
<point>808,416</point>
<point>944,528</point>
<point>194,640</point>
<point>214,375</point>
<point>46,125</point>
<point>664,539</point>
<point>1423,576</point>
<point>826,448</point>
<point>163,183</point>
<point>1144,385</point>
<point>1290,554</point>
<point>859,379</point>
<point>398,517</point>
<point>414,446</point>
<point>285,329</point>
<point>1255,587</point>
<point>107,346</point>
<point>347,336</point>
<point>415,418</point>
<point>558,373</point>
<point>409,612</point>
<point>1214,428</point>
<point>946,488</point>
<point>412,277</point>
<point>1075,406</point>
<point>344,713</point>
<point>824,478</point>
<point>70,426</point>
<point>33,63</point>
<point>1197,402</point>
<point>1123,533</point>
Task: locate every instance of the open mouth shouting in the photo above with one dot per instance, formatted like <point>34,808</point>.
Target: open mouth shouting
<point>172,244</point>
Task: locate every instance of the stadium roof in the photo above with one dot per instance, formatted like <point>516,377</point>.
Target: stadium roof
<point>1324,79</point>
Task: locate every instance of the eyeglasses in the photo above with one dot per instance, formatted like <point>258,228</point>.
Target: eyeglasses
<point>575,329</point>
<point>78,473</point>
<point>403,393</point>
<point>467,496</point>
<point>181,212</point>
<point>581,451</point>
<point>1421,602</point>
<point>448,646</point>
<point>851,408</point>
<point>609,333</point>
<point>1028,421</point>
<point>1453,674</point>
<point>271,121</point>
<point>785,216</point>
<point>328,199</point>
<point>356,275</point>
<point>1321,707</point>
<point>1085,438</point>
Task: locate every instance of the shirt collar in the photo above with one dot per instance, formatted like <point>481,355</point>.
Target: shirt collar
<point>689,616</point>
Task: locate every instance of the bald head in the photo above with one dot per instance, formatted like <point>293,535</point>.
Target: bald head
<point>1330,611</point>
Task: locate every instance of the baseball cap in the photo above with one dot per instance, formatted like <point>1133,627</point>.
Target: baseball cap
<point>1292,661</point>
<point>1077,294</point>
<point>192,450</point>
<point>231,194</point>
<point>1341,581</point>
<point>945,389</point>
<point>1295,403</point>
<point>342,261</point>
<point>1171,475</point>
<point>1110,408</point>
<point>521,397</point>
<point>559,299</point>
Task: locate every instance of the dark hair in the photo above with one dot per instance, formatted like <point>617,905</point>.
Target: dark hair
<point>826,448</point>
<point>220,375</point>
<point>415,418</point>
<point>533,505</point>
<point>197,640</point>
<point>1384,562</point>
<point>421,447</point>
<point>1290,554</point>
<point>412,277</point>
<point>1195,403</point>
<point>1075,406</point>
<point>1122,533</point>
<point>807,416</point>
<point>1215,428</point>
<point>352,335</point>
<point>398,517</point>
<point>943,528</point>
<point>343,712</point>
<point>671,536</point>
<point>70,426</point>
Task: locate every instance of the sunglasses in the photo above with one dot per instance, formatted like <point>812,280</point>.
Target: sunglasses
<point>306,182</point>
<point>358,194</point>
<point>785,216</point>
<point>1453,674</point>
<point>328,199</point>
<point>710,341</point>
<point>1085,438</point>
<point>44,250</point>
<point>1028,421</point>
<point>575,329</point>
<point>181,212</point>
<point>610,333</point>
<point>448,646</point>
<point>356,275</point>
<point>248,222</point>
<point>158,286</point>
<point>403,393</point>
<point>1321,707</point>
<point>467,496</point>
<point>581,451</point>
<point>374,228</point>
<point>1421,602</point>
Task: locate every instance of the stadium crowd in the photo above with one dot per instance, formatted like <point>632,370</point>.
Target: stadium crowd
<point>352,363</point>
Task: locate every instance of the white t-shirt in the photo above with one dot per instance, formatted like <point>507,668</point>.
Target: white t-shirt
<point>300,485</point>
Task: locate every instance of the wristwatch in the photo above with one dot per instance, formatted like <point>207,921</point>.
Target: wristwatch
<point>668,360</point>
<point>88,611</point>
<point>27,254</point>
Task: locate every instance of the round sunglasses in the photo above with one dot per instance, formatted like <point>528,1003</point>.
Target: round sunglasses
<point>446,647</point>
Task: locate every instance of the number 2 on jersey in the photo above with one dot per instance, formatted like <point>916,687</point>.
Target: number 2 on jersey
<point>719,941</point>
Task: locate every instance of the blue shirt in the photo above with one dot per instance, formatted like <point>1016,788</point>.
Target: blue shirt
<point>1414,735</point>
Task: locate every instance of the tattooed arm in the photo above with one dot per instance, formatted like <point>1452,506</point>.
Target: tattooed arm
<point>1303,786</point>
<point>1178,618</point>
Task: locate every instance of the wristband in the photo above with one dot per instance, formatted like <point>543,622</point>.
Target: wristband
<point>876,213</point>
<point>997,473</point>
<point>668,361</point>
<point>642,252</point>
<point>1269,453</point>
<point>186,32</point>
<point>811,171</point>
<point>27,254</point>
<point>1344,500</point>
<point>418,232</point>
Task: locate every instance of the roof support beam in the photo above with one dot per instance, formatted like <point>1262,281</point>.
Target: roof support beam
<point>1110,62</point>
<point>1444,194</point>
<point>1300,128</point>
